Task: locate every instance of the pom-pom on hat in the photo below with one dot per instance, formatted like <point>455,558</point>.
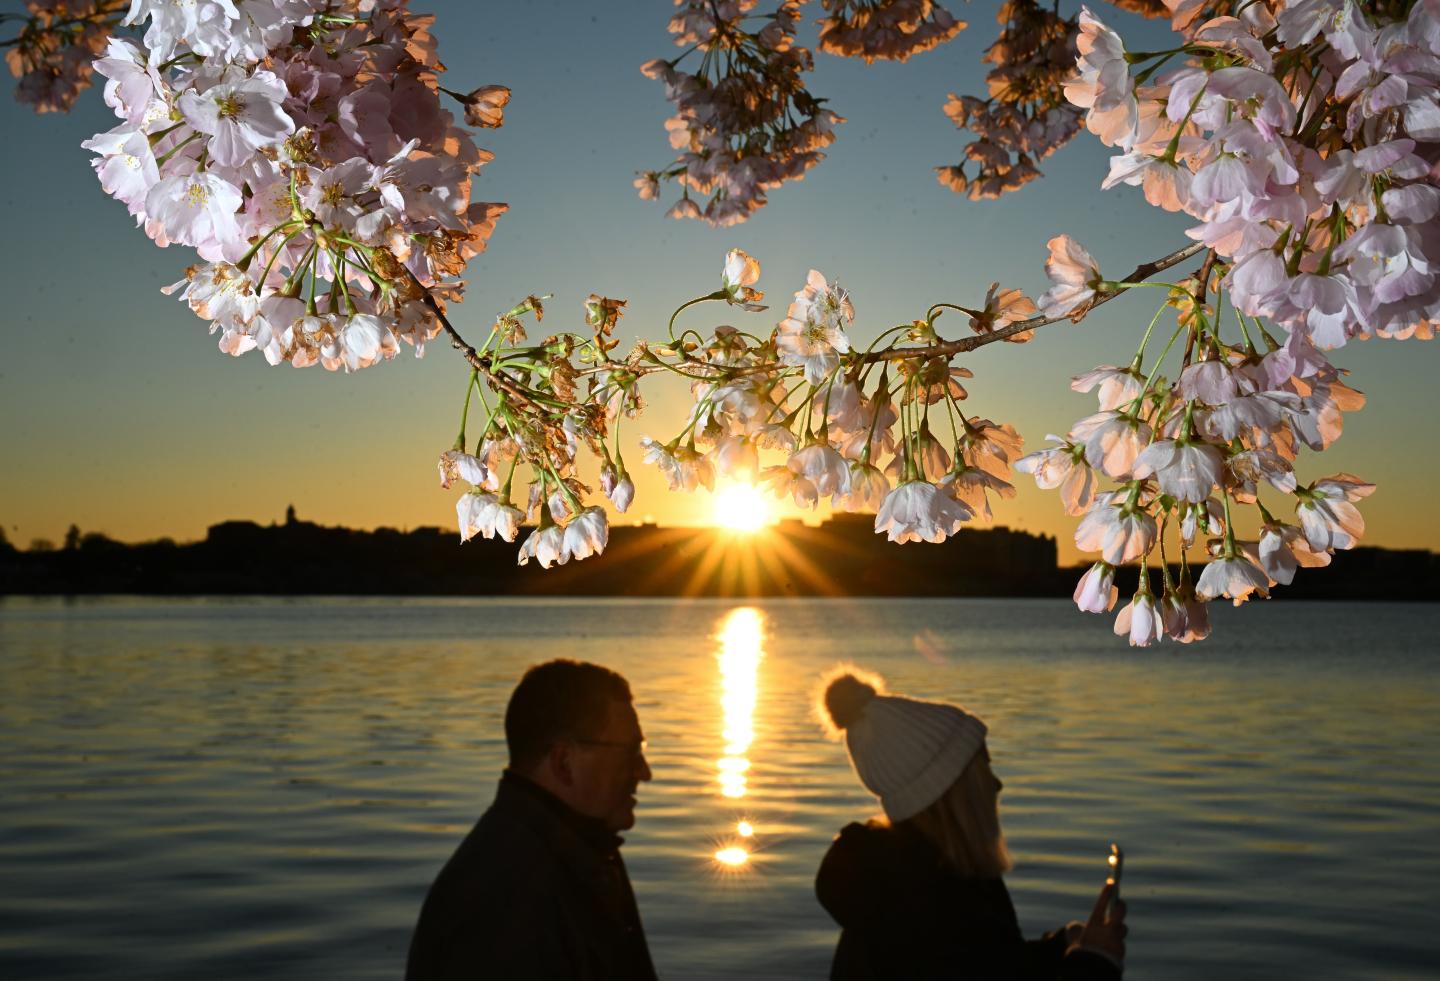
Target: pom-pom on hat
<point>905,751</point>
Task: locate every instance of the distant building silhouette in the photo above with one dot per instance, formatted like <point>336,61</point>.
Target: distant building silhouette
<point>841,557</point>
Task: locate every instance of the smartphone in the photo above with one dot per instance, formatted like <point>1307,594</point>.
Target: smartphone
<point>1116,863</point>
<point>1117,866</point>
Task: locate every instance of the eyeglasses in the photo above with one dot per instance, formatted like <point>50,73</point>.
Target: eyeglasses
<point>635,748</point>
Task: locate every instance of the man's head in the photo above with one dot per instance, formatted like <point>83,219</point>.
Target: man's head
<point>571,728</point>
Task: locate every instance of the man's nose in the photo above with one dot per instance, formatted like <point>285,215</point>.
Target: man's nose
<point>643,773</point>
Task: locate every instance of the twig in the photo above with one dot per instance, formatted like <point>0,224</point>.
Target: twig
<point>479,362</point>
<point>949,348</point>
<point>1200,292</point>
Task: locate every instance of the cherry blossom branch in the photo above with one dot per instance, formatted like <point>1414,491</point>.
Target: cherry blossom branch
<point>389,227</point>
<point>950,348</point>
<point>486,365</point>
<point>482,363</point>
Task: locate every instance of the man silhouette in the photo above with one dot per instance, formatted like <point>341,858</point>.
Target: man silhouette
<point>537,890</point>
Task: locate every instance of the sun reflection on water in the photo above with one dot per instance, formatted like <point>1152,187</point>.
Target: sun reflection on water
<point>734,856</point>
<point>741,638</point>
<point>741,635</point>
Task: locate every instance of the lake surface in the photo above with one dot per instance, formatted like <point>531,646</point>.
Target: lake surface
<point>258,788</point>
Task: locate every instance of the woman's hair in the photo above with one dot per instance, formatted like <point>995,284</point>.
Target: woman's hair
<point>964,823</point>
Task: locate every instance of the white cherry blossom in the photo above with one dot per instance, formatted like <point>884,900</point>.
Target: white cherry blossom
<point>587,534</point>
<point>1141,621</point>
<point>241,115</point>
<point>1234,577</point>
<point>918,511</point>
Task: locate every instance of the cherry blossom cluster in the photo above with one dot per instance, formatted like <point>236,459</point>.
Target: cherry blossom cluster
<point>300,147</point>
<point>799,410</point>
<point>888,30</point>
<point>1186,454</point>
<point>852,426</point>
<point>745,122</point>
<point>738,140</point>
<point>1025,117</point>
<point>51,55</point>
<point>542,409</point>
<point>1302,136</point>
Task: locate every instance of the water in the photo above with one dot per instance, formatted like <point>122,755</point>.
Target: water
<point>264,788</point>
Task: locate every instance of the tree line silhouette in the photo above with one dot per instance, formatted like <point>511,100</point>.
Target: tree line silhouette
<point>841,557</point>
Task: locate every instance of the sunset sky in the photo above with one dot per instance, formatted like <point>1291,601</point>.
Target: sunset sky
<point>121,416</point>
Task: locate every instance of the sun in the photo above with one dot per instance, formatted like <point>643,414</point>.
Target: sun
<point>741,507</point>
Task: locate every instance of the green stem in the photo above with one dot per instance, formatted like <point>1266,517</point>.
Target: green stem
<point>1140,353</point>
<point>1230,550</point>
<point>165,157</point>
<point>465,410</point>
<point>717,295</point>
<point>887,333</point>
<point>1240,319</point>
<point>1112,285</point>
<point>954,430</point>
<point>243,262</point>
<point>930,314</point>
<point>276,254</point>
<point>1150,379</point>
<point>510,479</point>
<point>298,273</point>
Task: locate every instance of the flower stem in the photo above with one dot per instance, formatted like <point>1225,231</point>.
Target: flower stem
<point>717,295</point>
<point>1150,379</point>
<point>465,411</point>
<point>1140,353</point>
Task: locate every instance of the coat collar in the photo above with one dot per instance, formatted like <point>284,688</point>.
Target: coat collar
<point>521,792</point>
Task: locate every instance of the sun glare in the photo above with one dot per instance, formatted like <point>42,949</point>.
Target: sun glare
<point>741,639</point>
<point>741,507</point>
<point>733,856</point>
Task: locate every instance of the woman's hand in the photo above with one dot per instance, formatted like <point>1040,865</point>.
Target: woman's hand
<point>1106,928</point>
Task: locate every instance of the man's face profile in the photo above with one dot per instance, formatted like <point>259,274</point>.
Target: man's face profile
<point>609,765</point>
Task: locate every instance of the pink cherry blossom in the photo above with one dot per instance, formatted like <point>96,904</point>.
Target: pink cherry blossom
<point>1328,515</point>
<point>1112,441</point>
<point>1062,466</point>
<point>1119,387</point>
<point>1185,470</point>
<point>1075,275</point>
<point>1096,592</point>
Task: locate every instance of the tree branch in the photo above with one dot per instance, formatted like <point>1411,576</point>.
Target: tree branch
<point>481,363</point>
<point>950,348</point>
<point>946,349</point>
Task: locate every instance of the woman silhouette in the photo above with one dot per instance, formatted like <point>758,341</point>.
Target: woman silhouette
<point>918,893</point>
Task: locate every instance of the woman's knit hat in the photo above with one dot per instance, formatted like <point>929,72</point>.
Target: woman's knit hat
<point>906,752</point>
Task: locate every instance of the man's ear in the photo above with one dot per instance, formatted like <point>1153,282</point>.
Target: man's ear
<point>560,761</point>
